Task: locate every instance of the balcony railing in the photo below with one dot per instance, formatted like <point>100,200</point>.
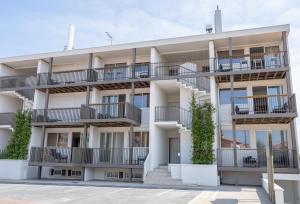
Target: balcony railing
<point>117,156</point>
<point>251,62</point>
<point>173,113</point>
<point>256,158</point>
<point>264,104</point>
<point>111,111</point>
<point>55,115</point>
<point>89,156</point>
<point>67,77</point>
<point>7,119</point>
<point>20,81</point>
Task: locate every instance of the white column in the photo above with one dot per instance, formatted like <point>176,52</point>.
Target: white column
<point>213,90</point>
<point>98,62</point>
<point>42,67</point>
<point>155,58</point>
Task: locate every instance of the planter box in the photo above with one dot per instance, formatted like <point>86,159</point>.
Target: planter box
<point>204,175</point>
<point>13,169</point>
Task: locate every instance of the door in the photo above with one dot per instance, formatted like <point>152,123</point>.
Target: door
<point>174,150</point>
<point>275,100</point>
<point>76,151</point>
<point>260,101</point>
<point>257,57</point>
<point>110,106</point>
<point>121,106</point>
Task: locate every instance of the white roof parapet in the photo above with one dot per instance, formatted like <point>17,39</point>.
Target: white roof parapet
<point>152,43</point>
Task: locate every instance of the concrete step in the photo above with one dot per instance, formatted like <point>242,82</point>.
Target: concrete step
<point>161,176</point>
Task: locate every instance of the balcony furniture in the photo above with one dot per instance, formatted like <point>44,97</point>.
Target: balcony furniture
<point>224,68</point>
<point>244,64</point>
<point>58,156</point>
<point>280,109</point>
<point>173,71</point>
<point>241,111</point>
<point>143,75</point>
<point>104,115</point>
<point>249,162</point>
<point>257,63</point>
<point>141,160</point>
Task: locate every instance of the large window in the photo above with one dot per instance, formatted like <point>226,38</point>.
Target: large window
<point>225,96</point>
<point>141,139</point>
<point>242,139</point>
<point>279,139</point>
<point>57,140</point>
<point>141,100</point>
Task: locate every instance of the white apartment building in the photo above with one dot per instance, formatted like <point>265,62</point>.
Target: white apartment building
<point>122,112</point>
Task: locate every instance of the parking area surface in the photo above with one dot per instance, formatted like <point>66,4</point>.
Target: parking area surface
<point>53,194</point>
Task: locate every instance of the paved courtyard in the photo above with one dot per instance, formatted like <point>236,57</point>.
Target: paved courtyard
<point>53,194</point>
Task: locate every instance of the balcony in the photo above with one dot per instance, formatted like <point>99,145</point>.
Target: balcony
<point>256,159</point>
<point>101,115</point>
<point>121,76</point>
<point>9,83</point>
<point>264,109</point>
<point>90,157</point>
<point>68,117</point>
<point>111,115</point>
<point>7,119</point>
<point>258,66</point>
<point>165,115</point>
<point>66,81</point>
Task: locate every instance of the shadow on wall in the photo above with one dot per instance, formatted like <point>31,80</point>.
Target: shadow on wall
<point>228,201</point>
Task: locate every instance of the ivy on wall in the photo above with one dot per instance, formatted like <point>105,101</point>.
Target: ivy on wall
<point>18,143</point>
<point>203,128</point>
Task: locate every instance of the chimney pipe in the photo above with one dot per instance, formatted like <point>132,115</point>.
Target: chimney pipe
<point>218,20</point>
<point>70,42</point>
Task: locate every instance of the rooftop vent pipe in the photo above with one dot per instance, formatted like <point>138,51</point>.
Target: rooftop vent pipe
<point>70,42</point>
<point>218,20</point>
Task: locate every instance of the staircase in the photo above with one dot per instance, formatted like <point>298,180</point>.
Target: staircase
<point>161,176</point>
<point>27,96</point>
<point>202,93</point>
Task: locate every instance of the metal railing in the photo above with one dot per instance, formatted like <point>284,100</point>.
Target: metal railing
<point>256,158</point>
<point>19,81</point>
<point>27,93</point>
<point>263,104</point>
<point>111,111</point>
<point>67,155</point>
<point>89,156</point>
<point>123,156</point>
<point>67,77</point>
<point>56,115</point>
<point>173,113</point>
<point>251,62</point>
<point>7,119</point>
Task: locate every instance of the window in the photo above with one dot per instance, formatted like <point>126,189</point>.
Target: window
<point>242,139</point>
<point>115,71</point>
<point>279,139</point>
<point>57,140</point>
<point>225,96</point>
<point>141,100</point>
<point>141,139</point>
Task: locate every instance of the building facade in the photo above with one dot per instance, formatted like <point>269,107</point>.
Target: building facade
<point>121,112</point>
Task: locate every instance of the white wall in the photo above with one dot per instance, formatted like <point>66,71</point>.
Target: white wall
<point>13,169</point>
<point>158,141</point>
<point>65,100</point>
<point>4,137</point>
<point>6,71</point>
<point>203,175</point>
<point>9,104</point>
<point>185,147</point>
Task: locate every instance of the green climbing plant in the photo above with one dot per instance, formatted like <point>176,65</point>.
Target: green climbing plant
<point>17,147</point>
<point>203,128</point>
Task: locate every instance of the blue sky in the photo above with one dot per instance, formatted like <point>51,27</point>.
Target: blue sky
<point>34,26</point>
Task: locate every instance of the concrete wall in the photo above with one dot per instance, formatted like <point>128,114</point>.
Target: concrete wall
<point>158,140</point>
<point>13,169</point>
<point>204,175</point>
<point>63,100</point>
<point>185,147</point>
<point>9,104</point>
<point>4,137</point>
